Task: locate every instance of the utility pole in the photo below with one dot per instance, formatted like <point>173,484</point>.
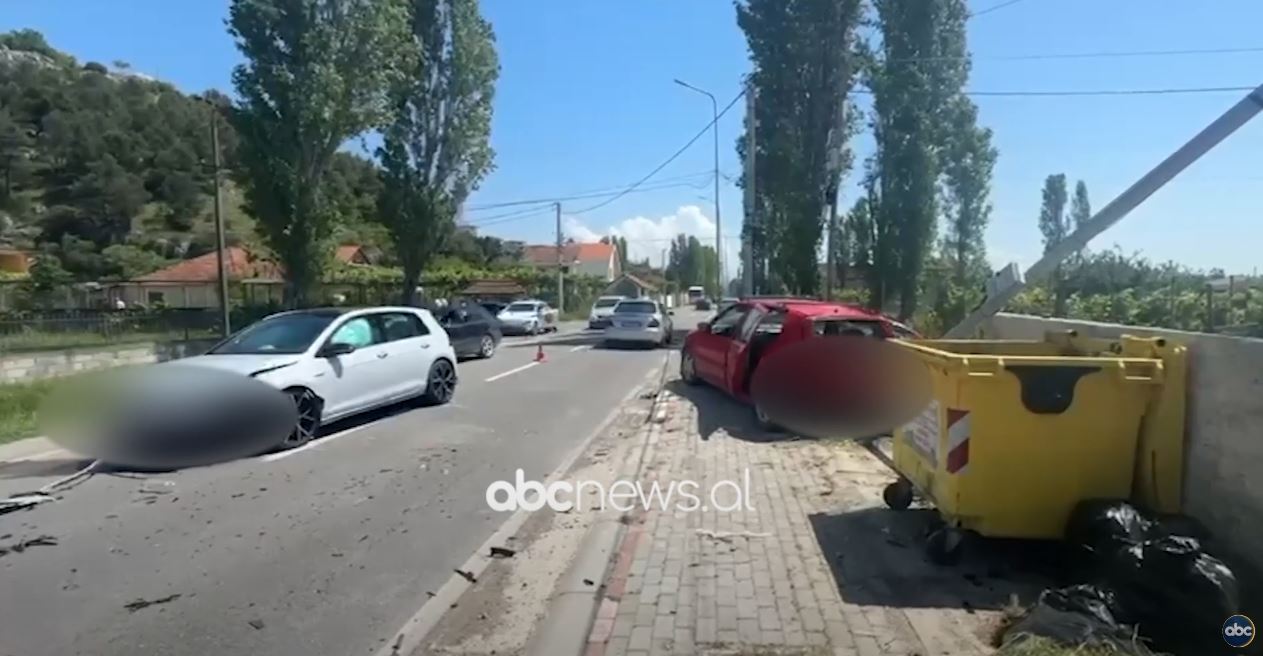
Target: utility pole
<point>561,271</point>
<point>751,216</point>
<point>219,226</point>
<point>719,242</point>
<point>837,145</point>
<point>1201,143</point>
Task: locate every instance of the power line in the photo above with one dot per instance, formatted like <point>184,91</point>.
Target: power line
<point>1101,92</point>
<point>1125,53</point>
<point>670,159</point>
<point>1112,92</point>
<point>510,216</point>
<point>1105,54</point>
<point>542,207</point>
<point>1002,5</point>
<point>592,193</point>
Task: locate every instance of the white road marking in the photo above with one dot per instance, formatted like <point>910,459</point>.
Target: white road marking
<point>511,372</point>
<point>582,347</point>
<point>273,457</point>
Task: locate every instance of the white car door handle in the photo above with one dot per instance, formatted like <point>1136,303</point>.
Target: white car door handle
<point>425,346</point>
<point>382,355</point>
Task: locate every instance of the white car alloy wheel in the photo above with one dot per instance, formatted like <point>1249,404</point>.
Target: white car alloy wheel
<point>441,383</point>
<point>307,422</point>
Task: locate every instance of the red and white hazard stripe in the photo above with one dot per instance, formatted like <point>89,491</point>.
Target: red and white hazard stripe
<point>957,441</point>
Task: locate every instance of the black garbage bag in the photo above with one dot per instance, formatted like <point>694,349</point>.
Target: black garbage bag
<point>1098,528</point>
<point>1074,617</point>
<point>1173,591</point>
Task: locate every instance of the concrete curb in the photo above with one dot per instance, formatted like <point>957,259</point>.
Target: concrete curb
<point>568,622</point>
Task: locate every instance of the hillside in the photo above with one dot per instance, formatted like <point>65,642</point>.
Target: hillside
<point>110,171</point>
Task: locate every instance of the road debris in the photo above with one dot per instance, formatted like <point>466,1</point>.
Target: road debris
<point>257,624</point>
<point>133,606</point>
<point>466,575</point>
<point>22,502</point>
<point>502,552</point>
<point>727,536</point>
<point>23,545</point>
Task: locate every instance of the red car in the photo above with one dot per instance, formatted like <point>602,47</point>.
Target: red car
<point>725,351</point>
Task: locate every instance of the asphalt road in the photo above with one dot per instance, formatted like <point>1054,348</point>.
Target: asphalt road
<point>327,549</point>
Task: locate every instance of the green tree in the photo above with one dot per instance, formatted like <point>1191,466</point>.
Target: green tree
<point>1054,224</point>
<point>803,54</point>
<point>1080,206</point>
<point>15,151</point>
<point>127,261</point>
<point>970,159</point>
<point>316,73</point>
<point>916,73</point>
<point>438,149</point>
<point>621,244</point>
<point>33,41</point>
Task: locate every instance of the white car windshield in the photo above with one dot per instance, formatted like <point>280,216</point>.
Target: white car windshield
<point>636,307</point>
<point>522,307</point>
<point>285,334</point>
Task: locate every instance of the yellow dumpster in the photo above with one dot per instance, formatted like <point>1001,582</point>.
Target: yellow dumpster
<point>1018,432</point>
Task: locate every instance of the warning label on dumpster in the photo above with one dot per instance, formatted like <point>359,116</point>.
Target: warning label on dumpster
<point>922,432</point>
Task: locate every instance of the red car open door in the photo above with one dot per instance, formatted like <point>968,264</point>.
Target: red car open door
<point>710,348</point>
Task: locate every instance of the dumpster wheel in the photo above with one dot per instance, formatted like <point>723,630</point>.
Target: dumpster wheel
<point>898,495</point>
<point>945,546</point>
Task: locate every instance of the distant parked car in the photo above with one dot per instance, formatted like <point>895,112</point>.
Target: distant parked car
<point>530,317</point>
<point>473,332</point>
<point>336,362</point>
<point>599,317</point>
<point>639,321</point>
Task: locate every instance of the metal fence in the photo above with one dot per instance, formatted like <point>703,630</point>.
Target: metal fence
<point>52,330</point>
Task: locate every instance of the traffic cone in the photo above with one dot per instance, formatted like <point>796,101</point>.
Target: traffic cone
<point>539,354</point>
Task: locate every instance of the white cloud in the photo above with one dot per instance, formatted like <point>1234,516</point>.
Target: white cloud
<point>647,238</point>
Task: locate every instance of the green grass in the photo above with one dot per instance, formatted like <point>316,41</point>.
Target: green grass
<point>19,407</point>
<point>49,341</point>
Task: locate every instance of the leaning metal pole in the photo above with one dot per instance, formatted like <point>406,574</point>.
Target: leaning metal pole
<point>1199,145</point>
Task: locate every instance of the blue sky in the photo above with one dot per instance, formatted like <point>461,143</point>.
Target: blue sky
<point>586,102</point>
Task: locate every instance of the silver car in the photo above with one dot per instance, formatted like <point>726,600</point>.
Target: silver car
<point>529,317</point>
<point>639,321</point>
<point>599,317</point>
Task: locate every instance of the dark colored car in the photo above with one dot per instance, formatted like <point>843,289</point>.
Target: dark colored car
<point>725,351</point>
<point>472,330</point>
<point>492,307</point>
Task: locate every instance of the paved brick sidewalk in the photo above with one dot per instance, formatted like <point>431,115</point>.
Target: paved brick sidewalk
<point>758,581</point>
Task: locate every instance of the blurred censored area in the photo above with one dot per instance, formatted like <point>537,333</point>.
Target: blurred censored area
<point>167,417</point>
<point>852,385</point>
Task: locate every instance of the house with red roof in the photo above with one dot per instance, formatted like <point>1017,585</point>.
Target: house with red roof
<point>194,283</point>
<point>593,259</point>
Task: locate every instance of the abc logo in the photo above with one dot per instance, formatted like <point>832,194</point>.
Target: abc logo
<point>1239,631</point>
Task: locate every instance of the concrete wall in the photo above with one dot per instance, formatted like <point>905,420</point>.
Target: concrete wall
<point>1223,479</point>
<point>19,367</point>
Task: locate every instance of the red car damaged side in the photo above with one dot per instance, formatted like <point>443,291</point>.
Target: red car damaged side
<point>725,351</point>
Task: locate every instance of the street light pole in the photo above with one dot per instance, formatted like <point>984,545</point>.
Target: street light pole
<point>225,322</point>
<point>719,244</point>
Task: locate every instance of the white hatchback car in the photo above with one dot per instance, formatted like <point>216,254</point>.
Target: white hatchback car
<point>336,362</point>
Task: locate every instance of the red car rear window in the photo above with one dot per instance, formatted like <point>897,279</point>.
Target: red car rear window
<point>836,327</point>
